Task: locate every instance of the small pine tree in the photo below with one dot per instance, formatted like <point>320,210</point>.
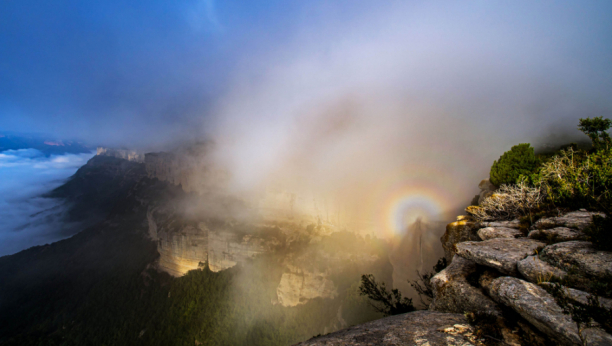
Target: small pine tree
<point>388,303</point>
<point>519,161</point>
<point>596,129</point>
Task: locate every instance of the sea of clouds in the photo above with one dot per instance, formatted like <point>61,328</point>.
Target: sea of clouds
<point>26,217</point>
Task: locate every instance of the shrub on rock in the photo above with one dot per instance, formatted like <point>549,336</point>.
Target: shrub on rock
<point>519,161</point>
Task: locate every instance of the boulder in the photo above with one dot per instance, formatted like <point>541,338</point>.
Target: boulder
<point>453,293</point>
<point>538,307</point>
<point>499,253</point>
<point>535,270</point>
<point>498,232</point>
<point>580,254</point>
<point>415,328</point>
<point>457,232</point>
<point>557,234</point>
<point>579,219</point>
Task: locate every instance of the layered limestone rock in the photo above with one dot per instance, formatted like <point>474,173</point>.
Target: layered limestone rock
<point>498,232</point>
<point>581,296</point>
<point>535,270</point>
<point>506,224</point>
<point>579,219</point>
<point>499,253</point>
<point>582,255</point>
<point>557,234</point>
<point>423,328</point>
<point>540,309</point>
<point>192,247</point>
<point>182,251</point>
<point>453,293</point>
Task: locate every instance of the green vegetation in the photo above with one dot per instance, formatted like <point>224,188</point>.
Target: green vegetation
<point>567,179</point>
<point>385,302</point>
<point>423,284</point>
<point>231,307</point>
<point>596,129</point>
<point>519,161</point>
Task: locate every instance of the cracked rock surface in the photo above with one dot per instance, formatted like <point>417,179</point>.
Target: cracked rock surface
<point>498,232</point>
<point>414,328</point>
<point>581,254</point>
<point>499,253</point>
<point>535,270</point>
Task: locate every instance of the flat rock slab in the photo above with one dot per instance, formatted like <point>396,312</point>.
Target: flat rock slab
<point>508,224</point>
<point>582,296</point>
<point>535,270</point>
<point>580,254</point>
<point>498,232</point>
<point>499,253</point>
<point>414,328</point>
<point>538,307</point>
<point>557,234</point>
<point>577,219</point>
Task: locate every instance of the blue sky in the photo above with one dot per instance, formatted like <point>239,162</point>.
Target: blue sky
<point>141,73</point>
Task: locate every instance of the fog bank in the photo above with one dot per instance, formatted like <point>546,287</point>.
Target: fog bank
<point>26,218</point>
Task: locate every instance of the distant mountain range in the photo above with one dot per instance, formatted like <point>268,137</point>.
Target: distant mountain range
<point>47,144</point>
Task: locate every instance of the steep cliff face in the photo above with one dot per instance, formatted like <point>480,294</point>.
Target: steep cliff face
<point>130,155</point>
<point>188,168</point>
<point>187,245</point>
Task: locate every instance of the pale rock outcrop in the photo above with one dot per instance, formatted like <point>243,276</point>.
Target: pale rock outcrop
<point>457,232</point>
<point>298,287</point>
<point>226,249</point>
<point>421,328</point>
<point>130,155</point>
<point>453,293</point>
<point>182,251</point>
<point>538,307</point>
<point>581,254</point>
<point>535,270</point>
<point>188,247</point>
<point>579,219</point>
<point>499,253</point>
<point>498,232</point>
<point>557,234</point>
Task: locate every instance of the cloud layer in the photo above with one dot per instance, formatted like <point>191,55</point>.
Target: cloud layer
<point>26,218</point>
